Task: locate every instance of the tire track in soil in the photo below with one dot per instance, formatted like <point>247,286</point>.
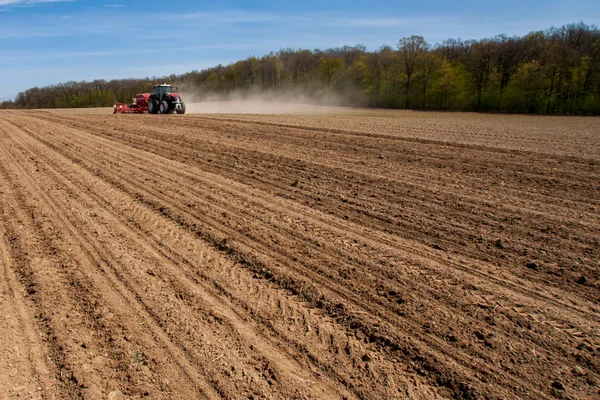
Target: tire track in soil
<point>187,294</point>
<point>512,210</point>
<point>24,370</point>
<point>294,286</point>
<point>327,239</point>
<point>153,150</point>
<point>363,361</point>
<point>428,254</point>
<point>86,282</point>
<point>547,135</point>
<point>466,216</point>
<point>348,348</point>
<point>23,251</point>
<point>319,396</point>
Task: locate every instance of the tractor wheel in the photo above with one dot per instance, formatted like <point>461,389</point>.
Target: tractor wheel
<point>182,111</point>
<point>152,106</point>
<point>163,107</point>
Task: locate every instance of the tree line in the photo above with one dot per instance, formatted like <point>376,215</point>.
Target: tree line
<point>556,71</point>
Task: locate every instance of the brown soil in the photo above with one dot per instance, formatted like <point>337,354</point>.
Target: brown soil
<point>363,254</point>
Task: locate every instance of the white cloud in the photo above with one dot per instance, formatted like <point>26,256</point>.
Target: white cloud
<point>81,55</point>
<point>227,16</point>
<point>17,2</point>
<point>12,2</point>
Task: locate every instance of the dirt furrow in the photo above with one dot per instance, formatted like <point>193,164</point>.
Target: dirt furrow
<point>373,337</point>
<point>495,237</point>
<point>38,269</point>
<point>24,366</point>
<point>100,301</point>
<point>536,134</point>
<point>307,256</point>
<point>186,292</point>
<point>427,253</point>
<point>347,343</point>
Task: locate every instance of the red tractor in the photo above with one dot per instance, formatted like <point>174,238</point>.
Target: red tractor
<point>162,101</point>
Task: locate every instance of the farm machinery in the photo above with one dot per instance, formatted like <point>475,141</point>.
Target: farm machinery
<point>162,101</point>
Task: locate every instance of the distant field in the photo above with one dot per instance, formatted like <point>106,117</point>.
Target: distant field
<point>576,136</point>
<point>292,251</point>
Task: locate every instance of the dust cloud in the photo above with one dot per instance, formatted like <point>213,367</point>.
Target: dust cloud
<point>261,103</point>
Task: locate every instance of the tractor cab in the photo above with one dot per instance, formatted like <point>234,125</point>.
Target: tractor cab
<point>161,90</point>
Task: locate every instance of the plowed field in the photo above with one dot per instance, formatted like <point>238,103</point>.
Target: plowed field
<point>363,254</point>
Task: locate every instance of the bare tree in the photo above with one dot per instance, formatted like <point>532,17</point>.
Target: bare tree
<point>412,50</point>
<point>479,64</point>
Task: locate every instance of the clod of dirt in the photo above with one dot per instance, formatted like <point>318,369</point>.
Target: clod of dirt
<point>533,266</point>
<point>355,325</point>
<point>468,392</point>
<point>585,346</point>
<point>392,295</point>
<point>115,395</point>
<point>558,385</point>
<point>268,275</point>
<point>499,244</point>
<point>582,280</point>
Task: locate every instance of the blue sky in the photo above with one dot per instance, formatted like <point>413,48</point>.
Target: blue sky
<point>43,42</point>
